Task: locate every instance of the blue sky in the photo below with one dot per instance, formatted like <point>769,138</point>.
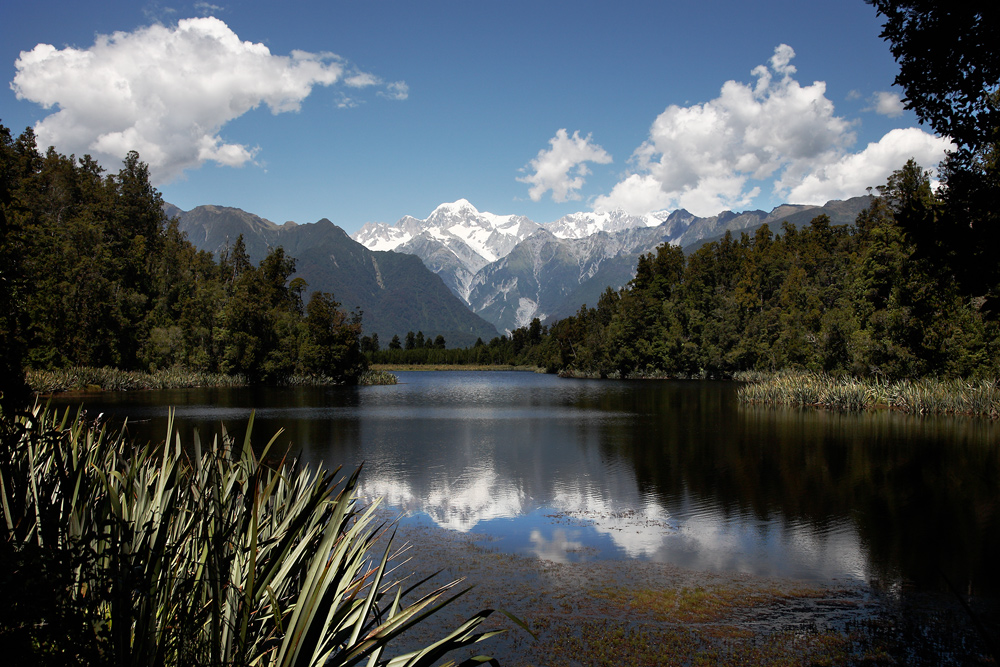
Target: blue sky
<point>540,108</point>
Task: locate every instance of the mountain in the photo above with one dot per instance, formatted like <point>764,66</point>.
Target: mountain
<point>396,292</point>
<point>706,230</point>
<point>509,269</point>
<point>432,275</point>
<point>455,241</point>
<point>548,277</point>
<point>581,225</point>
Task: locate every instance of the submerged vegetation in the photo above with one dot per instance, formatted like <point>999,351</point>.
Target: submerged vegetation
<point>198,554</point>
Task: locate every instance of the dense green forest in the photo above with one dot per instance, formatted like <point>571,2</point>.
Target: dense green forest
<point>95,275</point>
<point>870,299</point>
<point>911,289</point>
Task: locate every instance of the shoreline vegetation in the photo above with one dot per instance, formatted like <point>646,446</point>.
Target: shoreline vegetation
<point>386,368</point>
<point>110,553</point>
<point>794,388</point>
<point>87,379</point>
<point>924,396</point>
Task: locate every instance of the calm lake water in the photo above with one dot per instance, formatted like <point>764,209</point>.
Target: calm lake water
<point>679,472</point>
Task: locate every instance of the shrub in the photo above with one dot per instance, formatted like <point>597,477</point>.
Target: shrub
<point>160,555</point>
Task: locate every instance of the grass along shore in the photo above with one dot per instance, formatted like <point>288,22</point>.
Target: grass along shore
<point>113,379</point>
<point>453,367</point>
<point>923,396</point>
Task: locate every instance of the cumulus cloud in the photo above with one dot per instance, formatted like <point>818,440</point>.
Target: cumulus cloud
<point>886,104</point>
<point>563,166</point>
<point>167,92</point>
<point>853,174</point>
<point>774,133</point>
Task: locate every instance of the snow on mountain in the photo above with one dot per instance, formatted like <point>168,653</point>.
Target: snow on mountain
<point>456,240</point>
<point>583,224</point>
<point>508,269</point>
<point>488,235</point>
<point>459,243</point>
<point>475,238</point>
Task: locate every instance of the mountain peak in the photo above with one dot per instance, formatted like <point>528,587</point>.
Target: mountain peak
<point>459,205</point>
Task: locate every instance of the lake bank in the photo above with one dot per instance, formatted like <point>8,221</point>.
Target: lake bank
<point>606,506</point>
<point>924,396</point>
<point>617,612</point>
<point>452,367</point>
<point>87,380</point>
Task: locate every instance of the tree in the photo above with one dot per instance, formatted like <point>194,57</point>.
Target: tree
<point>394,344</point>
<point>411,340</point>
<point>13,388</point>
<point>949,61</point>
<point>949,64</point>
<point>332,346</point>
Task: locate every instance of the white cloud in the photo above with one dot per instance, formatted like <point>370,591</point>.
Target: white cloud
<point>362,80</point>
<point>775,134</point>
<point>345,102</point>
<point>166,92</point>
<point>562,168</point>
<point>852,174</point>
<point>396,90</point>
<point>886,104</point>
<point>208,9</point>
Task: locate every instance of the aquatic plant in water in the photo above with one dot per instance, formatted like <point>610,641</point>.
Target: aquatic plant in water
<point>921,396</point>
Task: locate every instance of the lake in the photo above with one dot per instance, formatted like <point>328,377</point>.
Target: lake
<point>674,472</point>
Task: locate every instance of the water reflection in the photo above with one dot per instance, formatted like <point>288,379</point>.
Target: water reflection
<point>669,471</point>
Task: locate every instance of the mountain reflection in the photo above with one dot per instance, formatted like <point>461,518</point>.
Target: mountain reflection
<point>676,472</point>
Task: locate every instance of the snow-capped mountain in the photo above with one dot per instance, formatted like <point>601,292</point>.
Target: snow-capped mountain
<point>455,241</point>
<point>581,225</point>
<point>509,270</point>
<point>550,277</point>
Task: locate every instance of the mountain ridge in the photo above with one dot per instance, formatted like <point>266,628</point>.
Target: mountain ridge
<point>396,292</point>
<point>604,247</point>
<point>502,270</point>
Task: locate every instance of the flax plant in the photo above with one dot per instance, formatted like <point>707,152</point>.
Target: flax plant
<point>164,555</point>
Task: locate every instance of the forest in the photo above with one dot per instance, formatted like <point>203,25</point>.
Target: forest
<point>95,275</point>
<point>867,300</point>
<point>910,290</point>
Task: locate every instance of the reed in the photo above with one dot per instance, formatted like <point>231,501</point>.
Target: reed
<point>923,396</point>
<point>367,377</point>
<point>113,379</point>
<point>166,555</point>
<point>377,377</point>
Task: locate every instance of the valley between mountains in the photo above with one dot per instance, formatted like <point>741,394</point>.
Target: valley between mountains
<point>466,274</point>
